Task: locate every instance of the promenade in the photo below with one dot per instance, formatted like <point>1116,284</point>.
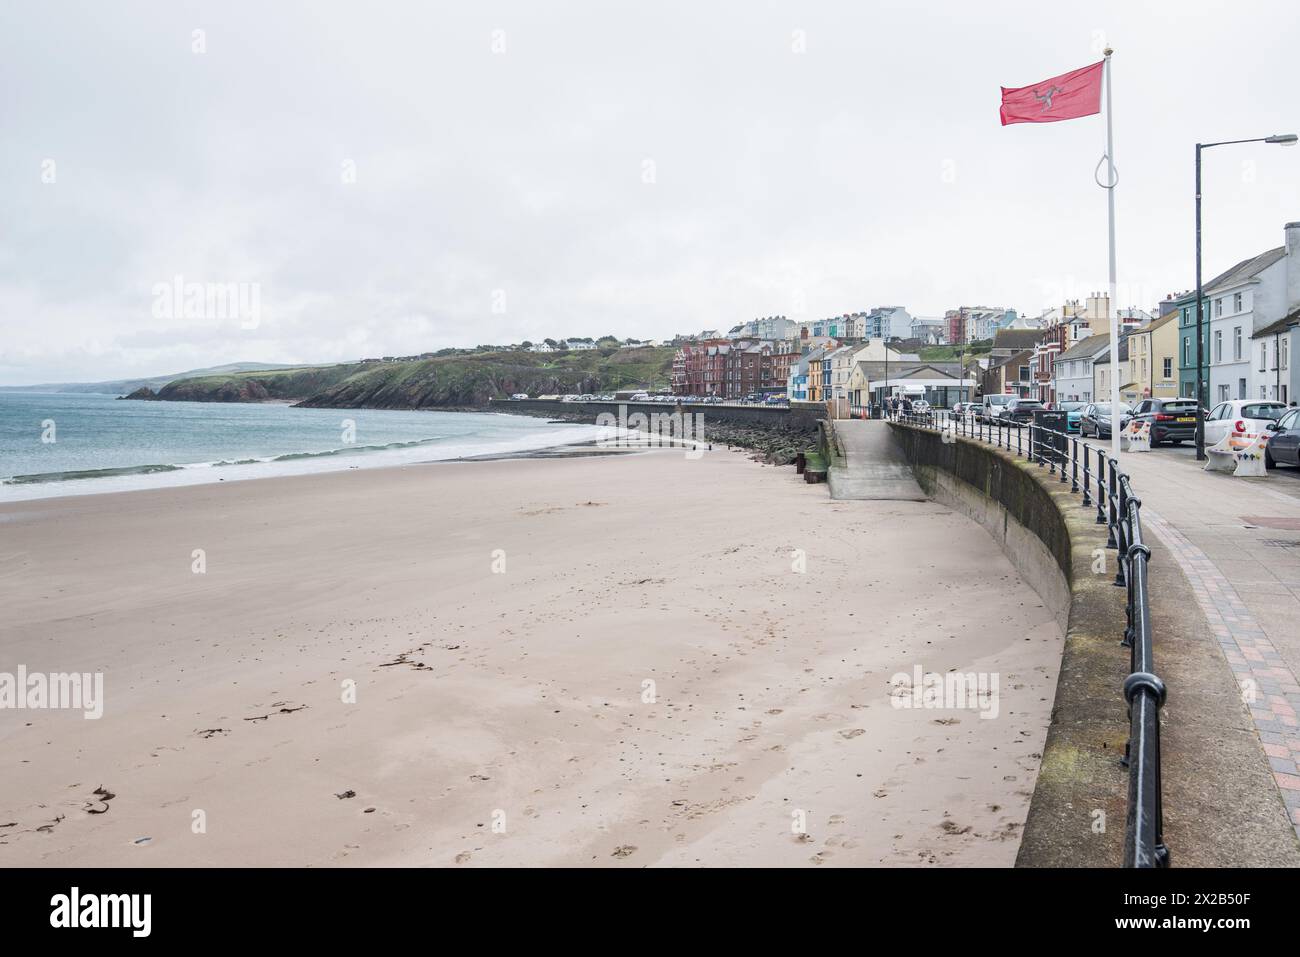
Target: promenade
<point>1237,543</point>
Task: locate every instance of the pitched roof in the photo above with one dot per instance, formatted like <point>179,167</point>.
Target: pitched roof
<point>1087,347</point>
<point>1245,269</point>
<point>1282,325</point>
<point>1016,338</point>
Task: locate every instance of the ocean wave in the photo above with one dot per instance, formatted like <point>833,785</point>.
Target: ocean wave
<point>349,449</point>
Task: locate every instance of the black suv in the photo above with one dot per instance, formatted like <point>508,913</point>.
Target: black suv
<point>1172,420</point>
<point>1021,411</point>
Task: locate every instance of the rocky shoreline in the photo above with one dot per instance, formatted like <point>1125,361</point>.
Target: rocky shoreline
<point>773,445</point>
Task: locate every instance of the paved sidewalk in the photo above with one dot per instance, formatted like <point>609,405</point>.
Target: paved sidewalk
<point>1238,543</point>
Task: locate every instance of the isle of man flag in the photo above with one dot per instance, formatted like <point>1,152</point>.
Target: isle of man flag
<point>1064,97</point>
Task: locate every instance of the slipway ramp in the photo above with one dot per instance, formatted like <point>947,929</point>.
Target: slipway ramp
<point>873,467</point>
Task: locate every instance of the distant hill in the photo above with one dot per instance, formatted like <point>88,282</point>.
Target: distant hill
<point>463,380</point>
<point>126,386</point>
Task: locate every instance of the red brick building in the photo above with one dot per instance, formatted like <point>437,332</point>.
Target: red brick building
<point>730,369</point>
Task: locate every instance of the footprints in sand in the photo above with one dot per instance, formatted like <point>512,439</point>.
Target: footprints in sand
<point>624,850</point>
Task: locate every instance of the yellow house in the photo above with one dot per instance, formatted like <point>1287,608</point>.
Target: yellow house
<point>1164,356</point>
<point>815,378</point>
<point>1152,366</point>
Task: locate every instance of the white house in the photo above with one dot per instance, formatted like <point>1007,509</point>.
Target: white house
<point>841,361</point>
<point>540,347</point>
<point>1275,342</point>
<point>579,344</point>
<point>1247,298</point>
<point>1074,369</point>
<point>929,331</point>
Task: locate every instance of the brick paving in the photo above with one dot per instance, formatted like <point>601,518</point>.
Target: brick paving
<point>1230,537</point>
<point>1269,686</point>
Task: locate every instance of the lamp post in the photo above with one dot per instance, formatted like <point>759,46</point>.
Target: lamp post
<point>1202,401</point>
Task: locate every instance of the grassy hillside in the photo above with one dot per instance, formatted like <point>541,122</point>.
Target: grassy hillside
<point>288,383</point>
<point>443,381</point>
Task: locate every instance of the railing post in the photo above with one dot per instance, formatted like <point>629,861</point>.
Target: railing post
<point>1101,488</point>
<point>1073,444</point>
<point>1111,514</point>
<point>1087,478</point>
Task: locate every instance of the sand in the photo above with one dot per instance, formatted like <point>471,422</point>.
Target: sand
<point>499,622</point>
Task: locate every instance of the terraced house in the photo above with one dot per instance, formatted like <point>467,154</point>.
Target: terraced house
<point>1152,357</point>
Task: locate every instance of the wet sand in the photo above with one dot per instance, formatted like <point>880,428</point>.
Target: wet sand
<point>590,661</point>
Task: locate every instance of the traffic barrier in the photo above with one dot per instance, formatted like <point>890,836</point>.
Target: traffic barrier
<point>1135,438</point>
<point>1241,453</point>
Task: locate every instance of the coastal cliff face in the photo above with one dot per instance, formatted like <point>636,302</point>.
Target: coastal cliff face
<point>466,381</point>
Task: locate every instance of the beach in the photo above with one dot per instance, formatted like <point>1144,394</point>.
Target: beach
<point>633,660</point>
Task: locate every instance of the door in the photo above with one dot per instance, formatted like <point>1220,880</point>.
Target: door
<point>1216,426</point>
<point>1285,444</point>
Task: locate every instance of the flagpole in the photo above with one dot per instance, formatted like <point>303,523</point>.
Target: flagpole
<point>1113,301</point>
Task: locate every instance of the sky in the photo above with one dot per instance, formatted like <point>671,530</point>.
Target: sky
<point>391,178</point>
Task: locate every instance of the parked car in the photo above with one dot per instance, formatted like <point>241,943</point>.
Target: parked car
<point>1096,419</point>
<point>1283,440</point>
<point>1073,414</point>
<point>1172,420</point>
<point>1241,415</point>
<point>920,407</point>
<point>1019,411</point>
<point>993,406</point>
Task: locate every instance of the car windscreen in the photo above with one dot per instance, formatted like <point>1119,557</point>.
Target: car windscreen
<point>997,399</point>
<point>1262,410</point>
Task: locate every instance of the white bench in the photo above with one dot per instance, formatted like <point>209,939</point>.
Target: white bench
<point>1242,454</point>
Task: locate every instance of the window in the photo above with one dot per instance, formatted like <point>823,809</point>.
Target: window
<point>1241,388</point>
<point>1263,392</point>
<point>1168,371</point>
<point>1218,345</point>
<point>1263,356</point>
<point>1286,348</point>
<point>1236,345</point>
<point>1236,302</point>
<point>1223,393</point>
<point>1218,308</point>
<point>1187,350</point>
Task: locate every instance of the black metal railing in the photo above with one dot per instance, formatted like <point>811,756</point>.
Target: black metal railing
<point>1103,487</point>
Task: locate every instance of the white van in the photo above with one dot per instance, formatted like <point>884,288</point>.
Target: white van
<point>995,406</point>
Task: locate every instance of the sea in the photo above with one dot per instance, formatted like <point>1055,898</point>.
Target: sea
<point>55,444</point>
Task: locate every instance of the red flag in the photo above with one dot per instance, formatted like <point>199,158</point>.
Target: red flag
<point>1064,97</point>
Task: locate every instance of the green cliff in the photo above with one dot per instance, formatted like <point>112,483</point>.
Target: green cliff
<point>463,379</point>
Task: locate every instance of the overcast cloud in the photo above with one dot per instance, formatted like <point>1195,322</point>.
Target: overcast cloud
<point>805,159</point>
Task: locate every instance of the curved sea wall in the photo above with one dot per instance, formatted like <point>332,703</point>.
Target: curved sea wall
<point>1076,816</point>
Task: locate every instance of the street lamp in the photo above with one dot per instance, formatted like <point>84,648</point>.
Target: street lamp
<point>1282,139</point>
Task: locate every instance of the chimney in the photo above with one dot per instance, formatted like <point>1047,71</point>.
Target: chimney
<point>1292,266</point>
